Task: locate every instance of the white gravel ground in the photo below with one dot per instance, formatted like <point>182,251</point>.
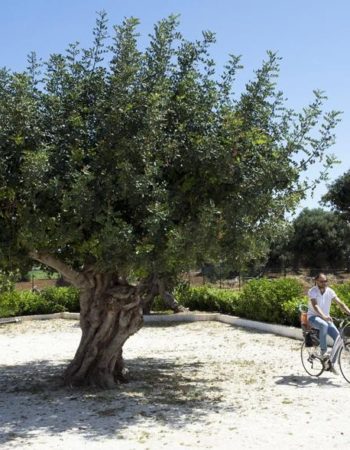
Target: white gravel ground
<point>201,385</point>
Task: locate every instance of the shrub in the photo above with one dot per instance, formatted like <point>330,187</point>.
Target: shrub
<point>265,299</point>
<point>291,311</point>
<point>32,303</point>
<point>275,301</point>
<point>61,298</point>
<point>205,298</point>
<point>50,300</point>
<point>343,292</point>
<point>7,281</point>
<point>9,304</point>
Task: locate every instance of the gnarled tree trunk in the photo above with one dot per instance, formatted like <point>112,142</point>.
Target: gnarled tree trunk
<point>110,312</point>
<point>153,286</point>
<point>108,317</point>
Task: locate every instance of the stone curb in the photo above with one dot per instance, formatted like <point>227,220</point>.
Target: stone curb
<point>280,330</point>
<point>27,318</point>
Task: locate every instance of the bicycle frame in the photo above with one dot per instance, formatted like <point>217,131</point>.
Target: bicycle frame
<point>338,344</point>
<point>340,341</point>
<point>311,363</point>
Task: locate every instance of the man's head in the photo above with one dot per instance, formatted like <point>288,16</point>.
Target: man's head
<point>321,280</point>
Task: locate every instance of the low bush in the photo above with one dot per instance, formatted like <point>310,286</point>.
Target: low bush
<point>274,301</point>
<point>343,292</point>
<point>9,304</point>
<point>32,303</point>
<point>209,299</point>
<point>270,300</point>
<point>7,281</point>
<point>48,301</point>
<point>291,311</point>
<point>62,298</point>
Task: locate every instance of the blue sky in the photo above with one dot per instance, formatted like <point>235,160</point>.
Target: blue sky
<point>312,37</point>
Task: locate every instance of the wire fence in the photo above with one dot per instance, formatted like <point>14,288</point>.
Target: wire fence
<point>305,275</point>
<point>215,276</point>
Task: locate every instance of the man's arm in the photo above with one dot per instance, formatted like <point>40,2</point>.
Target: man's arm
<point>319,310</point>
<point>342,305</point>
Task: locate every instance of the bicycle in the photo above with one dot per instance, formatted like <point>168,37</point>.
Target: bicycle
<point>312,360</point>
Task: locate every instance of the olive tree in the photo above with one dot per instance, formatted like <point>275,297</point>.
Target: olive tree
<point>118,163</point>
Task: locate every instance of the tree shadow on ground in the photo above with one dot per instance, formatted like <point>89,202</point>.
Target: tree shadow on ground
<point>304,381</point>
<point>33,399</point>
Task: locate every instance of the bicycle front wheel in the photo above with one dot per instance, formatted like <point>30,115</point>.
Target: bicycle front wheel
<point>344,361</point>
<point>312,363</point>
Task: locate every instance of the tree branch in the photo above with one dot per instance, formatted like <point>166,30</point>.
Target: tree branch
<point>77,279</point>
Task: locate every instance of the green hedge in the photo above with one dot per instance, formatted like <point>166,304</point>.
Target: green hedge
<point>48,301</point>
<point>206,298</point>
<point>343,292</point>
<point>271,300</point>
<point>274,301</point>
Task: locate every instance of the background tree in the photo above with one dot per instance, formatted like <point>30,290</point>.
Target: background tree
<point>117,164</point>
<point>320,240</point>
<point>279,256</point>
<point>338,196</point>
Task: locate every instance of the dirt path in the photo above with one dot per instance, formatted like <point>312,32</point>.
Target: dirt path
<point>202,385</point>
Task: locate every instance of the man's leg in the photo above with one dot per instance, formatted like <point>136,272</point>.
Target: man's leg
<point>322,326</point>
<point>333,331</point>
<point>335,335</point>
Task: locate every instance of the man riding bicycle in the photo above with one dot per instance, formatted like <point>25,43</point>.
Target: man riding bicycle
<point>320,299</point>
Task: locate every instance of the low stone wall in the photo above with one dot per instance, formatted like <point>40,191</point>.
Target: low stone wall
<point>280,330</point>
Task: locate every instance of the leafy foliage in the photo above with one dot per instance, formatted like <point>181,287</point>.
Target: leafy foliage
<point>7,281</point>
<point>9,304</point>
<point>263,299</point>
<point>291,313</point>
<point>208,299</point>
<point>50,300</point>
<point>320,240</point>
<point>272,301</point>
<point>338,196</point>
<point>343,292</point>
<point>121,160</point>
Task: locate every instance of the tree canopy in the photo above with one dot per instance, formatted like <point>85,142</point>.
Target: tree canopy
<point>338,196</point>
<point>125,164</point>
<point>320,240</point>
<point>118,162</point>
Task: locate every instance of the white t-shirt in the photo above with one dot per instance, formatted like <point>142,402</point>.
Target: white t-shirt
<point>323,300</point>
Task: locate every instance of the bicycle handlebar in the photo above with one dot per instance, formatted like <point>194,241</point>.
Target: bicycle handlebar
<point>342,322</point>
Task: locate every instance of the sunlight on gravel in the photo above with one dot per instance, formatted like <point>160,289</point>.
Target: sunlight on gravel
<point>191,385</point>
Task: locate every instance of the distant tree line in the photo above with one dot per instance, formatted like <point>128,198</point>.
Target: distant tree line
<point>318,238</point>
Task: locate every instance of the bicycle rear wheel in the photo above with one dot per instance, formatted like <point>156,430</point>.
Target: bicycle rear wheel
<point>344,361</point>
<point>311,362</point>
